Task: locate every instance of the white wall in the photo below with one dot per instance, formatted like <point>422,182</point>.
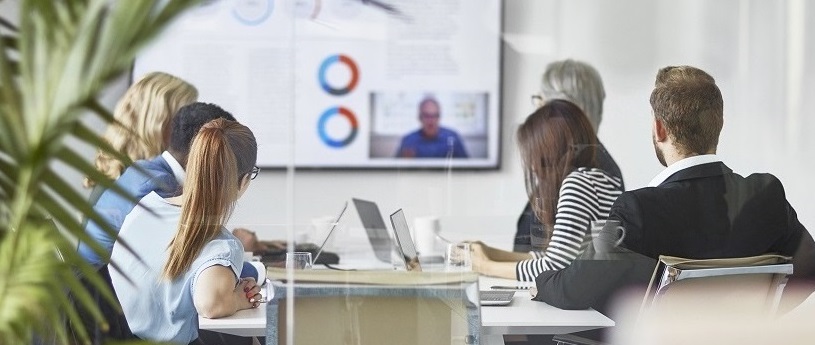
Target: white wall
<point>757,51</point>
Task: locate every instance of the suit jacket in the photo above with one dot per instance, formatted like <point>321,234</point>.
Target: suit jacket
<point>705,211</point>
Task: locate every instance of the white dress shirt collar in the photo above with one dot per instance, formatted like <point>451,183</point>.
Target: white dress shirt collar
<point>178,171</point>
<point>681,165</point>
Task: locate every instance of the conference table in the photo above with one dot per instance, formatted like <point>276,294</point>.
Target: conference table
<point>522,316</point>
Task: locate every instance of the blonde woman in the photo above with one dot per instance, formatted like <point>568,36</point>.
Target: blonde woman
<point>184,262</point>
<point>144,112</point>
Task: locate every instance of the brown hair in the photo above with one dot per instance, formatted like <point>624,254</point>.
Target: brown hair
<point>679,73</point>
<point>221,155</point>
<point>553,141</point>
<point>690,105</point>
<point>144,115</point>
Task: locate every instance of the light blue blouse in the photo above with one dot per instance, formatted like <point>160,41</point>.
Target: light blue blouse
<point>158,309</point>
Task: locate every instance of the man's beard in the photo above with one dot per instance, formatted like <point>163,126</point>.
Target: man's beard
<point>660,154</point>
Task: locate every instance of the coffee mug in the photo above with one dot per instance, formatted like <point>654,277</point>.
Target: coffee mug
<point>606,235</point>
<point>424,234</point>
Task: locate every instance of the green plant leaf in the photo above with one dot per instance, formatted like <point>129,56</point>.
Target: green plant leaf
<point>52,67</point>
<point>27,284</point>
<point>74,160</point>
<point>83,133</point>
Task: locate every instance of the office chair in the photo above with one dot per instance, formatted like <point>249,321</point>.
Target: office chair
<point>750,284</point>
<point>685,288</point>
<point>375,307</point>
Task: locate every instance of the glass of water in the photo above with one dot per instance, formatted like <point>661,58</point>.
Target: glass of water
<point>298,260</point>
<point>458,258</point>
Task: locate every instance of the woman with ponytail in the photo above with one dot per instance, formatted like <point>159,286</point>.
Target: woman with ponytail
<point>177,259</point>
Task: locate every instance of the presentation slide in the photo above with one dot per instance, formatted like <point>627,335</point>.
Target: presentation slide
<point>347,83</point>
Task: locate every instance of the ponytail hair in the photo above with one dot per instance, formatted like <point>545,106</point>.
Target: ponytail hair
<point>221,155</point>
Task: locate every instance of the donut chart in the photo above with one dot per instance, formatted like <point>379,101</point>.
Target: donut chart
<point>330,62</point>
<point>327,115</point>
<point>252,12</point>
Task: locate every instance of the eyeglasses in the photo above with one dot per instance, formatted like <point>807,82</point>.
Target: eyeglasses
<point>537,100</point>
<point>254,173</point>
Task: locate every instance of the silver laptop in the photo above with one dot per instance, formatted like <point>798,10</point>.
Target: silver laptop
<point>496,297</point>
<point>406,247</point>
<point>375,228</point>
<point>330,231</point>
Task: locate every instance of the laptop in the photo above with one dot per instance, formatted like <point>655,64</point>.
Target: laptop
<point>375,228</point>
<point>496,297</point>
<point>411,259</point>
<point>406,247</point>
<point>330,231</point>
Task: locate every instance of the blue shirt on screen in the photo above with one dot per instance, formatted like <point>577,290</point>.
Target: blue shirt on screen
<point>446,143</point>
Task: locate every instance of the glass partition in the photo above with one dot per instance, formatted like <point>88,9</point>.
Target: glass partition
<point>415,105</point>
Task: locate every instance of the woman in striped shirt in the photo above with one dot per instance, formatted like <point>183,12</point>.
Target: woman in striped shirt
<point>566,189</point>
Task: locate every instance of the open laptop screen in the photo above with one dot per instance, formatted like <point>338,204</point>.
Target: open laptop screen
<point>331,231</point>
<point>402,234</point>
<point>375,228</point>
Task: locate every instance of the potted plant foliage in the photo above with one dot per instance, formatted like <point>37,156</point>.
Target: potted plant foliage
<point>54,61</point>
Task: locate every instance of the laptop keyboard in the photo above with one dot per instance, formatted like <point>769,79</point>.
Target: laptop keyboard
<point>496,297</point>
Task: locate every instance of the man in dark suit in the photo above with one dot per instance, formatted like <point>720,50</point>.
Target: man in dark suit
<point>696,208</point>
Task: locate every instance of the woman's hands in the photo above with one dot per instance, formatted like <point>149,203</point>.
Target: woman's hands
<point>216,293</point>
<point>479,256</point>
<point>495,262</point>
<point>248,293</point>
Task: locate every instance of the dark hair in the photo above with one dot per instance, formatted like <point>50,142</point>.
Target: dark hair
<point>691,108</point>
<point>223,153</point>
<point>186,124</point>
<point>556,139</point>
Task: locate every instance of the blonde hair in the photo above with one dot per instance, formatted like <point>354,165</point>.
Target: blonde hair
<point>144,115</point>
<point>221,155</point>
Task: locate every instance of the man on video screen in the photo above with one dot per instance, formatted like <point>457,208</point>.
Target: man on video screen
<point>432,140</point>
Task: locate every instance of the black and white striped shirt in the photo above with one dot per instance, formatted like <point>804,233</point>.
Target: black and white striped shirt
<point>585,195</point>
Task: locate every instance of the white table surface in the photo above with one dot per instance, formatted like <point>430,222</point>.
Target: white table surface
<point>522,316</point>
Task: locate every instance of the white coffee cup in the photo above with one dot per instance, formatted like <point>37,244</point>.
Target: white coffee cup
<point>424,234</point>
<point>261,271</point>
<point>320,228</point>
